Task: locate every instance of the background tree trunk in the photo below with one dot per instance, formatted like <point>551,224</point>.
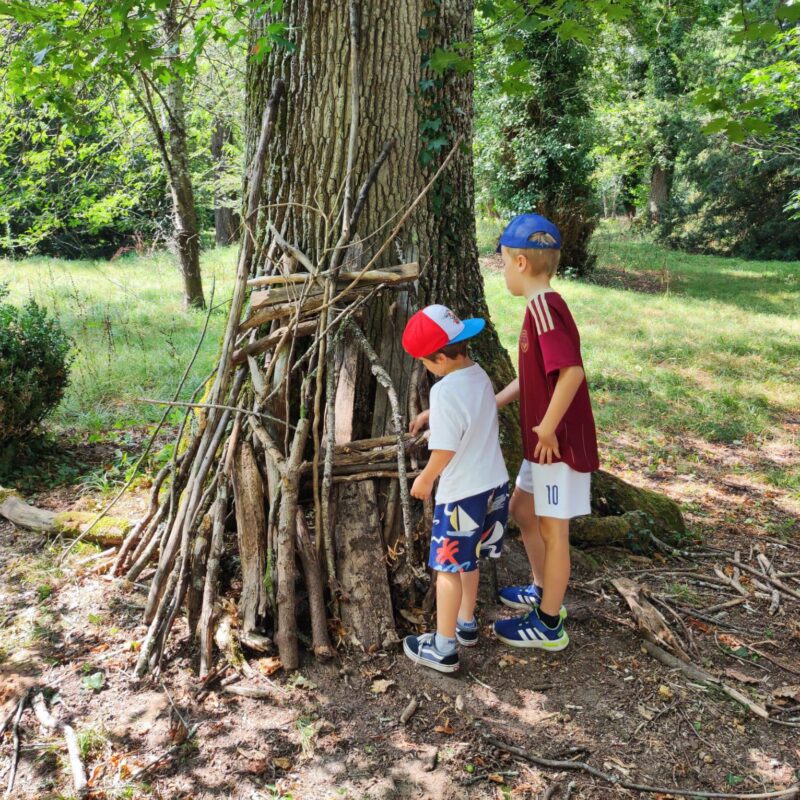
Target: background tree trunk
<point>226,220</point>
<point>187,238</point>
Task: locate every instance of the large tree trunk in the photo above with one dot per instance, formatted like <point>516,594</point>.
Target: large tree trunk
<point>659,192</point>
<point>307,170</point>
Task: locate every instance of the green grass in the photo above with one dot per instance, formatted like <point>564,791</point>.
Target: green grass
<point>133,339</point>
<point>708,351</point>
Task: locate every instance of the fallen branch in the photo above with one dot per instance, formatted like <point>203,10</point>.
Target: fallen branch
<point>67,523</point>
<point>774,581</point>
<point>15,739</point>
<point>695,673</point>
<point>649,619</point>
<point>75,762</point>
<point>581,766</point>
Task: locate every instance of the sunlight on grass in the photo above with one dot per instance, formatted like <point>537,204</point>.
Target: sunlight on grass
<point>132,337</point>
<point>710,357</point>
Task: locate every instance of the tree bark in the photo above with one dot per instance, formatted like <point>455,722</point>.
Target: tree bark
<point>187,238</point>
<point>659,192</point>
<point>308,173</point>
<point>226,220</point>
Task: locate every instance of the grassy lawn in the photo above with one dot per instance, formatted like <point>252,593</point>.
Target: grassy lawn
<point>132,337</point>
<point>682,351</point>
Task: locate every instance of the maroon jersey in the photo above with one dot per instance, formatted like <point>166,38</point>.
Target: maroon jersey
<point>549,341</point>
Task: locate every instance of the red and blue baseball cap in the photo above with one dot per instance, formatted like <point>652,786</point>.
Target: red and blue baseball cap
<point>519,231</point>
<point>436,326</point>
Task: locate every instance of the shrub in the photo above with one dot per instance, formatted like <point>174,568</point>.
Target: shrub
<point>34,366</point>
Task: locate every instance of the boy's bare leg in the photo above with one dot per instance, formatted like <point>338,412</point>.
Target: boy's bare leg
<point>448,600</point>
<point>523,511</point>
<point>469,594</point>
<point>555,535</point>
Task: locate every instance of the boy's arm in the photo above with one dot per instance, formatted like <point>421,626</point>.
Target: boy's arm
<point>423,485</point>
<point>569,380</point>
<point>508,395</point>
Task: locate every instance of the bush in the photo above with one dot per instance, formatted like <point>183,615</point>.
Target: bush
<point>34,366</point>
<point>724,204</point>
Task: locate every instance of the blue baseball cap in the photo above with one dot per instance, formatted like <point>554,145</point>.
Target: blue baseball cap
<point>518,233</point>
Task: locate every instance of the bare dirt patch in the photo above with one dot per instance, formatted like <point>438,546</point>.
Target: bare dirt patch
<point>333,729</point>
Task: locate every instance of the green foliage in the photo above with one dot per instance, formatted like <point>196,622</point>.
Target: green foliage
<point>725,203</point>
<point>94,682</point>
<point>533,141</point>
<point>85,78</point>
<point>34,366</point>
<point>67,191</point>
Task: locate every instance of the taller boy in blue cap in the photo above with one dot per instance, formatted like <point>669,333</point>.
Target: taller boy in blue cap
<point>558,434</point>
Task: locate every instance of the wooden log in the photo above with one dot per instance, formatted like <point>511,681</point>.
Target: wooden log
<point>109,531</point>
<point>251,524</point>
<point>316,599</point>
<point>366,605</point>
<point>266,343</point>
<point>402,273</point>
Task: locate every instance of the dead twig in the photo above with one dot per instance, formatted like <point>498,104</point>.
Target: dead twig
<point>580,766</point>
<point>15,742</point>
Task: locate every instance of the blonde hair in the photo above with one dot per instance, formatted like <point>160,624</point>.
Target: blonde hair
<point>541,259</point>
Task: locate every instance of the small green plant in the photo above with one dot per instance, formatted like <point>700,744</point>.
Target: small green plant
<point>91,740</point>
<point>94,682</point>
<point>44,591</point>
<point>683,592</point>
<point>34,366</point>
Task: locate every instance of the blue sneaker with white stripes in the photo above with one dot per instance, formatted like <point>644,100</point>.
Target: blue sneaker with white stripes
<point>529,631</point>
<point>422,650</point>
<point>525,597</point>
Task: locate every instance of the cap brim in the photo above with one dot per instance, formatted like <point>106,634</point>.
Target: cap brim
<point>472,327</point>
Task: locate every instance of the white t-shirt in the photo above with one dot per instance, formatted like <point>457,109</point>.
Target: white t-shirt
<point>464,419</point>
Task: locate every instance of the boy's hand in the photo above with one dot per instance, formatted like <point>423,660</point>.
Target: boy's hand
<point>418,423</point>
<point>422,486</point>
<point>547,446</point>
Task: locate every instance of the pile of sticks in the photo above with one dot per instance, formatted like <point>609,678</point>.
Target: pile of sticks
<point>263,412</point>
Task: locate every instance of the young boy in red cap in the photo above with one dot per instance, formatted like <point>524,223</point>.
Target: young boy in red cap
<point>558,434</point>
<point>472,496</point>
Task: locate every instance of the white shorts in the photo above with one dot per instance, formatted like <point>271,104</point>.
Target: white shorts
<point>558,490</point>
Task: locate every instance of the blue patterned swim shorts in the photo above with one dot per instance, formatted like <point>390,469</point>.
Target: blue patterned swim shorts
<point>467,529</point>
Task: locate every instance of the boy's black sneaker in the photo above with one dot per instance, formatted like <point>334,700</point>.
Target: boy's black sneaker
<point>422,650</point>
<point>466,637</point>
